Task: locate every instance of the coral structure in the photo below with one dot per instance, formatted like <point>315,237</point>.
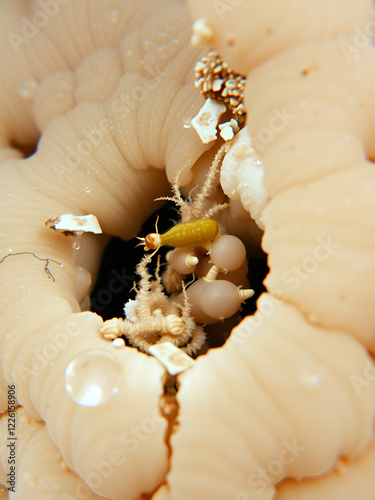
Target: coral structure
<point>153,318</point>
<point>217,81</point>
<point>286,407</point>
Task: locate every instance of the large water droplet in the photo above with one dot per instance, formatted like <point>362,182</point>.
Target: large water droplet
<point>27,88</point>
<point>93,377</point>
<point>76,245</point>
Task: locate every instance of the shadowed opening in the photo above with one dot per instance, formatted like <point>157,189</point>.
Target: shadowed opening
<point>116,277</point>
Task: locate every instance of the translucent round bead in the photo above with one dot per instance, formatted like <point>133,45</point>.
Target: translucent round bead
<point>220,299</point>
<point>228,252</point>
<point>183,260</point>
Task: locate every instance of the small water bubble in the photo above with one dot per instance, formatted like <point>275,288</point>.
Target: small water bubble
<point>27,88</point>
<point>87,190</point>
<point>76,245</point>
<point>112,15</point>
<point>30,479</point>
<point>311,376</point>
<point>93,377</point>
<point>129,53</point>
<point>146,43</point>
<point>259,162</point>
<point>118,343</point>
<point>187,123</point>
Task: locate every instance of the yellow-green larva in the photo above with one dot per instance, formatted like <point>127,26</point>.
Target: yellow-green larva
<point>185,235</point>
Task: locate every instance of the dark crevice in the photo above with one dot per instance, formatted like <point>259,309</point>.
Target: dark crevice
<point>116,277</point>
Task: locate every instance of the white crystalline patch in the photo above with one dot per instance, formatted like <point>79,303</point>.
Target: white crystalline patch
<point>202,33</point>
<point>241,176</point>
<point>74,224</point>
<point>206,121</point>
<point>174,360</point>
<point>228,129</point>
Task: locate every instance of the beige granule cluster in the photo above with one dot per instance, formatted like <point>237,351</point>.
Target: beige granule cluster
<point>217,81</point>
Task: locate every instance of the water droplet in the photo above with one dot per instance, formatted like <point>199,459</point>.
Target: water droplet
<point>76,245</point>
<point>112,15</point>
<point>27,88</point>
<point>187,123</point>
<point>311,376</point>
<point>146,43</point>
<point>87,189</point>
<point>93,377</point>
<point>129,53</point>
<point>258,162</point>
<point>30,479</point>
<point>118,343</point>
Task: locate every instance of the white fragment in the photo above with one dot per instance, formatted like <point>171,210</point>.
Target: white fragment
<point>216,85</point>
<point>170,356</point>
<point>118,343</point>
<point>241,176</point>
<point>74,224</point>
<point>202,33</point>
<point>206,121</point>
<point>227,132</point>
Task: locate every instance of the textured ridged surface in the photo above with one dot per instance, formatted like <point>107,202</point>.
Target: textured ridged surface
<point>292,392</point>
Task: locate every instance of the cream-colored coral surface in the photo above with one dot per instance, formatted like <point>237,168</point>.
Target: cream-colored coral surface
<point>104,90</point>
